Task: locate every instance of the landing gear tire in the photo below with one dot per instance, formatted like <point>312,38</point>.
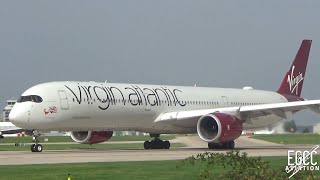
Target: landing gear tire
<point>156,143</point>
<point>231,145</point>
<point>225,145</point>
<point>36,148</point>
<point>146,145</point>
<point>33,148</point>
<point>166,144</point>
<point>39,147</point>
<point>211,146</point>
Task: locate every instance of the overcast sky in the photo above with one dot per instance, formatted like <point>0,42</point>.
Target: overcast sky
<point>180,42</point>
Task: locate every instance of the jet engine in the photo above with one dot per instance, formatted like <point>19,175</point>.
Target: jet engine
<point>91,137</point>
<point>219,128</point>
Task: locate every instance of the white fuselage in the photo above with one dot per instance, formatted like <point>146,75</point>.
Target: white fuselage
<point>82,106</point>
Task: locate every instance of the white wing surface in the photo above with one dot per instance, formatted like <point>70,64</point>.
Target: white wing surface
<point>245,112</point>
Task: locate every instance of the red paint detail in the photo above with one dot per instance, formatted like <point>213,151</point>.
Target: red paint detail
<point>51,110</point>
<point>99,136</point>
<point>234,130</point>
<point>300,65</point>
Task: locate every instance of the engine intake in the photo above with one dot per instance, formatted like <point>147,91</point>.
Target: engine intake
<point>91,137</point>
<point>219,128</point>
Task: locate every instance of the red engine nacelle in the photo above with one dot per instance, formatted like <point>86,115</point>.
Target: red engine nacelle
<point>219,128</point>
<point>91,137</point>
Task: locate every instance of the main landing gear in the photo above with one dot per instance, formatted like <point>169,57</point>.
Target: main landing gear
<point>156,143</point>
<point>226,145</point>
<point>36,147</point>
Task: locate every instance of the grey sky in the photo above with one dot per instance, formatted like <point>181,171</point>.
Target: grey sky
<point>211,43</point>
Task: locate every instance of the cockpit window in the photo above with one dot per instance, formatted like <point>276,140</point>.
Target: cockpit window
<point>31,98</point>
<point>36,99</point>
<point>24,99</point>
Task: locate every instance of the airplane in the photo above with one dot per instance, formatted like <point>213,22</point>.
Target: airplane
<point>93,110</point>
<point>9,128</point>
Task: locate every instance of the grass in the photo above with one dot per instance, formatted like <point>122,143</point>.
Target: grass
<point>28,139</point>
<point>117,170</point>
<point>290,138</point>
<point>80,146</point>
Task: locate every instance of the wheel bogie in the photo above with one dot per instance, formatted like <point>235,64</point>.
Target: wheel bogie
<point>156,143</point>
<point>225,145</point>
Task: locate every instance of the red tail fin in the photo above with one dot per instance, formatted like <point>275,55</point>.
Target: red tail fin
<point>293,80</point>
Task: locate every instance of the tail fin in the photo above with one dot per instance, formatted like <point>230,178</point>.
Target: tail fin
<point>293,80</point>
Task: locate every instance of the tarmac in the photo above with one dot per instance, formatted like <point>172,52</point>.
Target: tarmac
<point>194,146</point>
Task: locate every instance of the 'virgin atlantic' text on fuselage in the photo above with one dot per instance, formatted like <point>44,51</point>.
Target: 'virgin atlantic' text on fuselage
<point>134,95</point>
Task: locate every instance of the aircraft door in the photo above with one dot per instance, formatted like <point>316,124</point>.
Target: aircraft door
<point>63,100</point>
<point>225,100</point>
<point>148,106</point>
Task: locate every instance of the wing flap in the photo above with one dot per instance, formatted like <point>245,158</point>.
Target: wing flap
<point>279,109</point>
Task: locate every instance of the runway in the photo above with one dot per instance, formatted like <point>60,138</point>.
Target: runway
<point>194,146</point>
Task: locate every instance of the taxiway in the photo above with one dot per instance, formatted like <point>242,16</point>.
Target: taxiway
<point>194,146</point>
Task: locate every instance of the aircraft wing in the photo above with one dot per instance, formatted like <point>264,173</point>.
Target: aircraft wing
<point>11,131</point>
<point>9,128</point>
<point>245,112</point>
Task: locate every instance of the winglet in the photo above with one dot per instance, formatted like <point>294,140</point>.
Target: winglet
<point>293,80</point>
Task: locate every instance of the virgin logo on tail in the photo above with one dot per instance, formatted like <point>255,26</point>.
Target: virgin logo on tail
<point>294,81</point>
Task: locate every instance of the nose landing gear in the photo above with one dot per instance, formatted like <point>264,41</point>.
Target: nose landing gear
<point>36,147</point>
<point>156,143</point>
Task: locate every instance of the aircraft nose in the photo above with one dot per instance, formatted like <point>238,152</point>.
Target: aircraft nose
<point>17,116</point>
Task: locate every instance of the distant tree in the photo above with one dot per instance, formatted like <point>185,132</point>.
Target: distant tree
<point>290,126</point>
<point>306,130</point>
